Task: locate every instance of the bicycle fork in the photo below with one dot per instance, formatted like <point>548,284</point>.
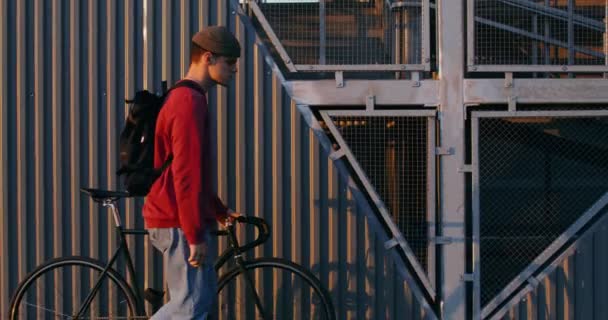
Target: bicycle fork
<point>240,264</point>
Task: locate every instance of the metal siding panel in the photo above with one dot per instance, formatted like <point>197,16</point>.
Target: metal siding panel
<point>4,172</point>
<point>167,43</point>
<point>93,126</point>
<point>332,222</point>
<point>130,46</point>
<point>600,265</point>
<point>57,108</point>
<point>185,35</point>
<point>75,141</point>
<point>93,212</point>
<point>39,128</point>
<point>258,137</point>
<point>369,263</point>
<point>277,167</point>
<point>296,188</point>
<point>583,273</point>
<point>238,117</point>
<point>21,143</point>
<point>565,287</point>
<point>151,20</point>
<point>111,121</point>
<point>314,203</point>
<point>203,11</point>
<point>351,257</point>
<point>39,112</point>
<point>298,237</point>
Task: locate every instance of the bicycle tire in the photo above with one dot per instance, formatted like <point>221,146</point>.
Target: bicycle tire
<point>64,265</point>
<point>260,265</point>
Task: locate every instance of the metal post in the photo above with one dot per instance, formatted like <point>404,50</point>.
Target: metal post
<point>571,51</point>
<point>547,34</point>
<point>322,33</point>
<point>452,183</point>
<point>534,42</point>
<point>606,36</point>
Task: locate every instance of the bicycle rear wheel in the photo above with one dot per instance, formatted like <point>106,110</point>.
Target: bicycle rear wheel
<point>58,288</point>
<point>285,290</point>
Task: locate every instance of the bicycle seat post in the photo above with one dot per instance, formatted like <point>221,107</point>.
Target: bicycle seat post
<point>111,203</point>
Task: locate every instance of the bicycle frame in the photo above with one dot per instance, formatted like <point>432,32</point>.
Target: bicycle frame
<point>234,251</point>
<point>123,249</point>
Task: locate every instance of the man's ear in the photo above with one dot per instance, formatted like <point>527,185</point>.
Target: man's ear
<point>208,58</point>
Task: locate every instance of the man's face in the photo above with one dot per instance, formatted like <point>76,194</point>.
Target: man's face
<point>222,69</point>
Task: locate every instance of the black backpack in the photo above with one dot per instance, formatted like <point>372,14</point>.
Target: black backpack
<point>137,140</point>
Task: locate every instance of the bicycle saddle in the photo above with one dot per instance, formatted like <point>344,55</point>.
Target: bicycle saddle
<point>100,195</point>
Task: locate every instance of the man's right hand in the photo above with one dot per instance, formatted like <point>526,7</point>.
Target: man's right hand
<point>198,254</point>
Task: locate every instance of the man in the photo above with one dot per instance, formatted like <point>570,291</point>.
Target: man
<point>182,207</point>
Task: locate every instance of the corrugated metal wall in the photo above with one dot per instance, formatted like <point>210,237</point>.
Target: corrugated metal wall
<point>576,288</point>
<point>66,67</point>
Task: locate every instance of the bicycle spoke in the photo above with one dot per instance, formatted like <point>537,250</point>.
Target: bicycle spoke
<point>284,290</point>
<point>59,290</point>
<point>59,314</point>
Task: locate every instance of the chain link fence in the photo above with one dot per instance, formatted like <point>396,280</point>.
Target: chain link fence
<point>537,176</point>
<point>393,152</point>
<point>539,32</point>
<point>365,33</point>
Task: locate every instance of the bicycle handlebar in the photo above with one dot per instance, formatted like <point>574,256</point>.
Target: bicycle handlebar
<point>259,223</point>
<point>263,230</point>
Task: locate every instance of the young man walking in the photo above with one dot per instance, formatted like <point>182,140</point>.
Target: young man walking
<point>182,207</point>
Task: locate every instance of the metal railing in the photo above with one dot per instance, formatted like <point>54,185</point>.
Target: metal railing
<point>537,35</point>
<point>346,35</point>
<point>391,153</point>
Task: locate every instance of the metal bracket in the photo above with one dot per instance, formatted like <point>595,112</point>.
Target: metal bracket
<point>466,168</point>
<point>370,103</point>
<point>443,240</point>
<point>337,154</point>
<point>416,79</point>
<point>509,80</point>
<point>391,243</point>
<point>468,277</point>
<point>444,151</point>
<point>512,102</point>
<point>511,98</point>
<point>339,79</point>
<point>533,282</point>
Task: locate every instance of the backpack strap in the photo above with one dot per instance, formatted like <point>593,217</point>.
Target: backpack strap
<point>182,83</point>
<point>188,84</point>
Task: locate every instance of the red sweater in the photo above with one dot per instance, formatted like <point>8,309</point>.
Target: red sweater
<point>183,197</point>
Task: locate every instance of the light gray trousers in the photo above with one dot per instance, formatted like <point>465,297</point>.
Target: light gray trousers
<point>192,291</point>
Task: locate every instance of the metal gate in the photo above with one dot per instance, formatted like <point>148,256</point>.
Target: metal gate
<point>540,179</point>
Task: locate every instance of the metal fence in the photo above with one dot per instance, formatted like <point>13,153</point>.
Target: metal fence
<point>538,180</point>
<point>393,153</point>
<point>390,155</point>
<point>322,35</point>
<point>537,35</point>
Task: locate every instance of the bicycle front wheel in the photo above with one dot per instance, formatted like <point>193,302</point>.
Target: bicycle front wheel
<point>272,288</point>
<point>58,288</point>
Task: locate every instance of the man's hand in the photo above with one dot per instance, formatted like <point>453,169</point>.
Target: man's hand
<point>230,218</point>
<point>198,254</point>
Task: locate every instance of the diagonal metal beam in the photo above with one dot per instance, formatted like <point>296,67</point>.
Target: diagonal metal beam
<point>531,35</point>
<point>555,13</point>
<point>375,197</point>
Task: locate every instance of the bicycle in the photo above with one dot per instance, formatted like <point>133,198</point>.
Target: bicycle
<point>295,292</point>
